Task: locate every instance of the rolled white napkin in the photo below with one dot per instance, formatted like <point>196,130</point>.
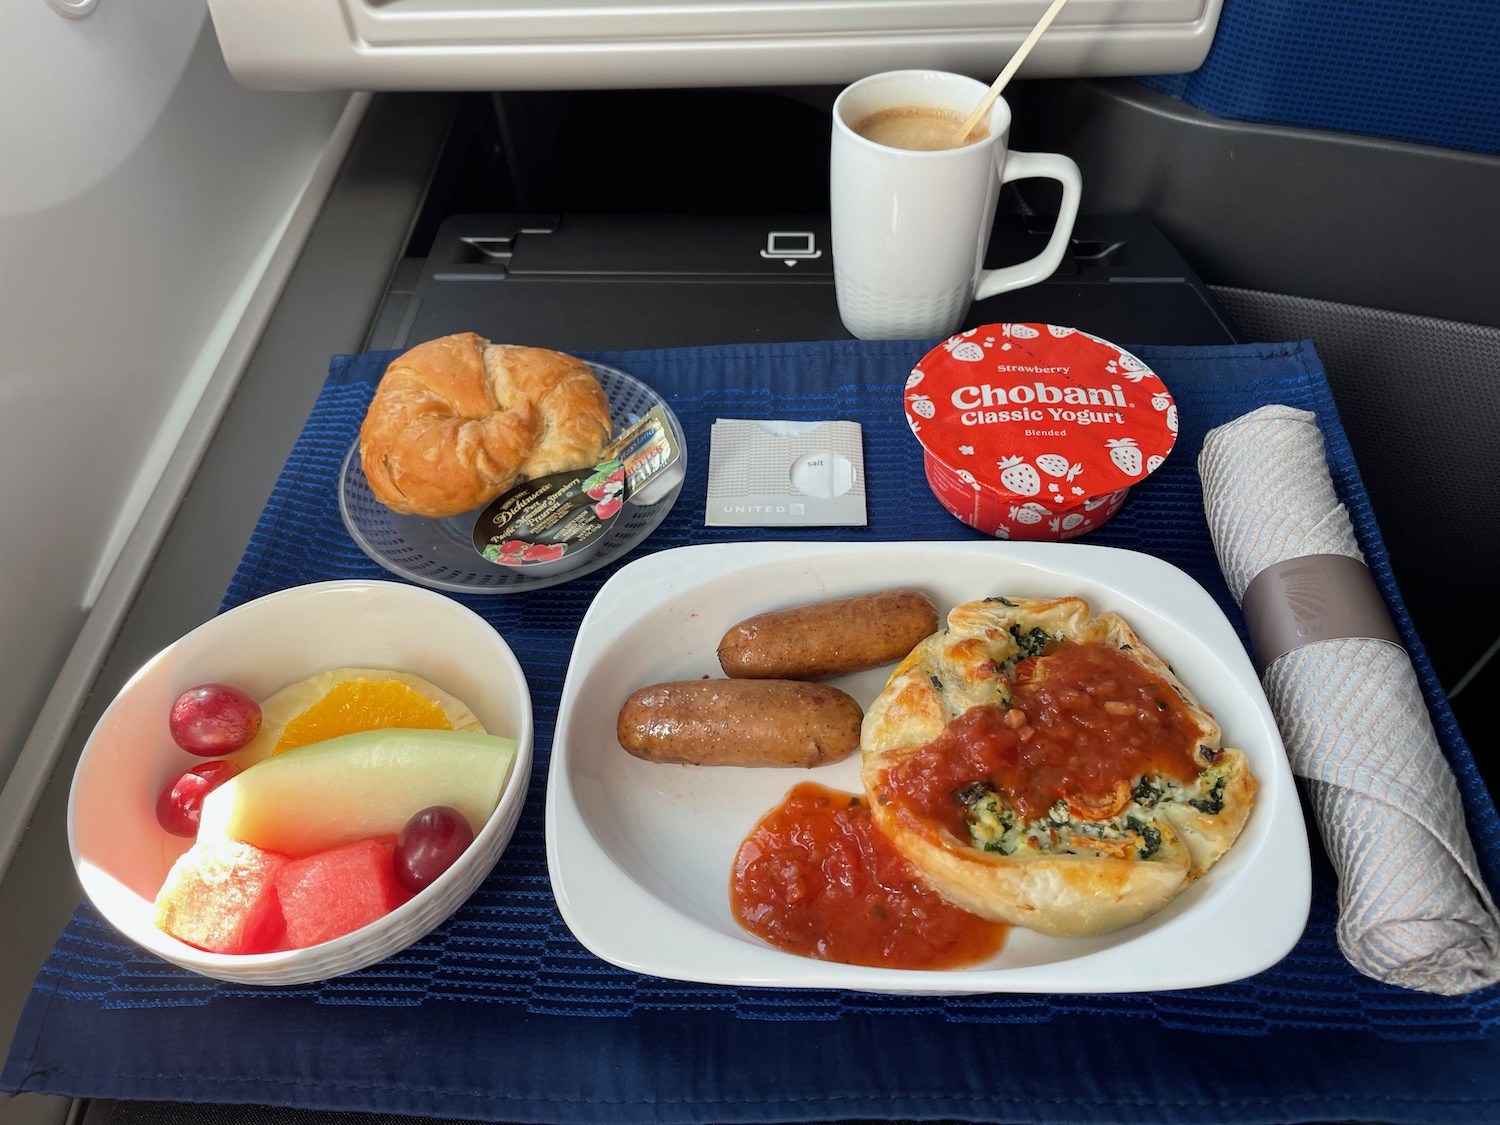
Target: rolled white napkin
<point>1413,907</point>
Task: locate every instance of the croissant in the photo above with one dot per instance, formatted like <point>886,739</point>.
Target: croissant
<point>458,420</point>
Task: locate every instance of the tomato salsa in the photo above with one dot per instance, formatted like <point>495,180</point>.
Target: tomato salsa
<point>1084,722</point>
<point>816,877</point>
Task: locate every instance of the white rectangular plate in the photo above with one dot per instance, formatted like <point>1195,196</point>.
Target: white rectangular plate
<point>640,853</point>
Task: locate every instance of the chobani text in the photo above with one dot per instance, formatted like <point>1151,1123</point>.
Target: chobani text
<point>973,402</point>
<point>971,397</point>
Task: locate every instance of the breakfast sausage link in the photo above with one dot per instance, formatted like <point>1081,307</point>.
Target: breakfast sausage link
<point>740,723</point>
<point>833,638</point>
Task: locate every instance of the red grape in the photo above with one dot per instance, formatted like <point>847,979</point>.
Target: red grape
<point>214,719</point>
<point>428,845</point>
<point>181,802</point>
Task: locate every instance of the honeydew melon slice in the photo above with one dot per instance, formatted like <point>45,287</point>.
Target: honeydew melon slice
<point>356,786</point>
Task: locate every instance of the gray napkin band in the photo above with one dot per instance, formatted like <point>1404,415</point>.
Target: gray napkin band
<point>1312,598</point>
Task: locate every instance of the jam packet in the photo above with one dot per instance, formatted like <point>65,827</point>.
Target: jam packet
<point>553,523</point>
<point>558,522</point>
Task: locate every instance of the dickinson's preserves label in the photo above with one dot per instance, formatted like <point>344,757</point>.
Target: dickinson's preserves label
<point>552,523</point>
<point>557,523</point>
<point>1035,431</point>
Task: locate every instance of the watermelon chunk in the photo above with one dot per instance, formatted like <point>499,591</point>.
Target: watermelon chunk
<point>220,896</point>
<point>331,893</point>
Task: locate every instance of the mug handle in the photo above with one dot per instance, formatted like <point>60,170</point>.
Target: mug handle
<point>1023,166</point>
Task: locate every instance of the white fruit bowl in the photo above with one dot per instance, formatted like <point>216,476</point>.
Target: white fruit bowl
<point>122,855</point>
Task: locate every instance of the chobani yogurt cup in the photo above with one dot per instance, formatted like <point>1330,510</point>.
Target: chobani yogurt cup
<point>1035,431</point>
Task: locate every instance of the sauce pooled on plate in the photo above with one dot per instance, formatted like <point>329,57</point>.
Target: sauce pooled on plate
<point>815,877</point>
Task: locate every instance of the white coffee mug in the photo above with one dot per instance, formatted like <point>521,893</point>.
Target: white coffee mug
<point>910,228</point>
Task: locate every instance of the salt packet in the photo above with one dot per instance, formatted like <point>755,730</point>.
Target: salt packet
<point>785,474</point>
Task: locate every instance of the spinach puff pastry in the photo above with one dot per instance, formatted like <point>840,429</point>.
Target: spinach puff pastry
<point>1042,767</point>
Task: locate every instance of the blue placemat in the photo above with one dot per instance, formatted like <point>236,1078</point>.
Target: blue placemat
<point>500,1014</point>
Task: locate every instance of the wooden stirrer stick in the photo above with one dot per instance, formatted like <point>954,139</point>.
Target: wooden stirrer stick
<point>1011,67</point>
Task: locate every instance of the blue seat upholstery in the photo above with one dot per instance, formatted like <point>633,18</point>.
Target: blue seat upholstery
<point>1421,71</point>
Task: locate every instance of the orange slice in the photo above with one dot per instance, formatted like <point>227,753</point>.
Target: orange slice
<point>347,700</point>
<point>356,705</point>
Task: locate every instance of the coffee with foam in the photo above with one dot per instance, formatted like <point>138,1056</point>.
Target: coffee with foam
<point>922,128</point>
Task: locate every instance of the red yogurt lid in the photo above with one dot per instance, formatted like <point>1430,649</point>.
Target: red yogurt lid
<point>1040,412</point>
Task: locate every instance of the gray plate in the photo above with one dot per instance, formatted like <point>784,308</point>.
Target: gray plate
<point>440,552</point>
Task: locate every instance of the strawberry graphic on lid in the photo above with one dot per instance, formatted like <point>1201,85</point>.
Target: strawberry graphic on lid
<point>1054,464</point>
<point>1124,453</point>
<point>1019,477</point>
